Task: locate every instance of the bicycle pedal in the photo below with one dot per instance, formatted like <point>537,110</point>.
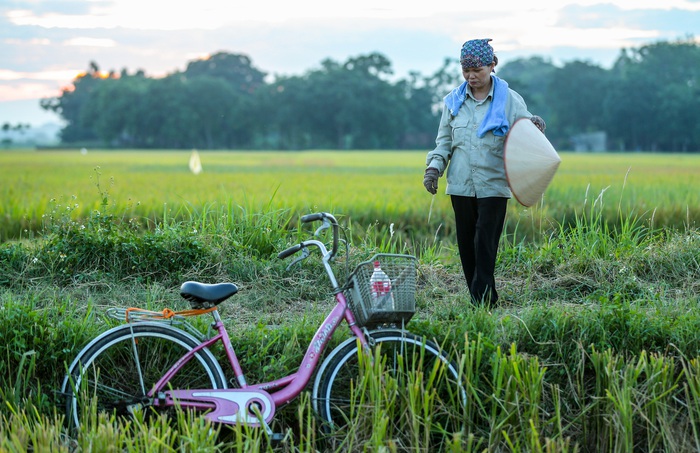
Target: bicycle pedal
<point>277,437</point>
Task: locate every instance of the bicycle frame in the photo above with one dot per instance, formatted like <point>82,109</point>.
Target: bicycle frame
<point>282,390</point>
<point>259,400</point>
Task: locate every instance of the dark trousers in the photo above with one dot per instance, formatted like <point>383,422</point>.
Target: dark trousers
<point>479,224</point>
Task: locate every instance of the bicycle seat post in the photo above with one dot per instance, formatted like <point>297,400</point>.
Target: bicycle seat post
<point>217,317</point>
<point>217,325</point>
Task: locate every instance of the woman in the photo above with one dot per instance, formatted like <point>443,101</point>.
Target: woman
<point>475,119</point>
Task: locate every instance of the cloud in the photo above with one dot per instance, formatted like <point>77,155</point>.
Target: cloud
<point>675,21</point>
<point>43,7</point>
<point>90,42</point>
<point>6,74</point>
<point>661,18</point>
<point>31,42</point>
<point>42,40</point>
<point>19,90</point>
<point>639,5</point>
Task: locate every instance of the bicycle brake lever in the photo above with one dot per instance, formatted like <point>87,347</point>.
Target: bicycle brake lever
<point>324,226</point>
<point>304,254</point>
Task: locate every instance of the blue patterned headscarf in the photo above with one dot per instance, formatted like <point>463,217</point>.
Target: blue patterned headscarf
<point>476,53</point>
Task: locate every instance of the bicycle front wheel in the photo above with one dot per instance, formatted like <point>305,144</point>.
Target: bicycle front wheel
<point>117,369</point>
<point>407,387</point>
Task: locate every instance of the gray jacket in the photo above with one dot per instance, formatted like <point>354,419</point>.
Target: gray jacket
<point>474,165</point>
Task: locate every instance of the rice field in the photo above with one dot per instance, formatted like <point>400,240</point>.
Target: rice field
<point>383,186</point>
<point>595,348</point>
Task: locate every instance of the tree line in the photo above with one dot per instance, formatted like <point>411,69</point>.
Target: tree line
<point>6,128</point>
<point>647,101</point>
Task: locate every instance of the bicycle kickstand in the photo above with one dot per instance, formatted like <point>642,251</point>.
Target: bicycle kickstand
<point>274,437</point>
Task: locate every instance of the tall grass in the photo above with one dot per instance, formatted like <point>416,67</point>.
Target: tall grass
<point>156,187</point>
<point>594,348</point>
<point>642,403</point>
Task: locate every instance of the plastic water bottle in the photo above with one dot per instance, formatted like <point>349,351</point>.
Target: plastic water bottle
<point>380,284</point>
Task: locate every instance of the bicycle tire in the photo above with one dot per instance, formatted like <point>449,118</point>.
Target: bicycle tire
<point>342,371</point>
<point>121,365</point>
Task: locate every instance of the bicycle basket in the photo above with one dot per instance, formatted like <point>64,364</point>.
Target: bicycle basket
<point>401,270</point>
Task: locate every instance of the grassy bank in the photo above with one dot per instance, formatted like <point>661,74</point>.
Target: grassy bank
<point>595,347</point>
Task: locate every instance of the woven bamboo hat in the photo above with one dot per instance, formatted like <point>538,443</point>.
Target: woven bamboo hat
<point>530,161</point>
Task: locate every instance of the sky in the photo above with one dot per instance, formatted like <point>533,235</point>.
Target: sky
<point>44,44</point>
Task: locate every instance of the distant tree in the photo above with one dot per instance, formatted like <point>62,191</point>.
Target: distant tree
<point>348,105</point>
<point>647,101</point>
<point>217,112</point>
<point>117,108</point>
<point>656,97</point>
<point>425,95</point>
<point>236,69</point>
<point>442,81</point>
<point>290,119</point>
<point>422,117</point>
<point>7,127</point>
<point>72,102</point>
<point>374,65</point>
<point>224,89</point>
<point>531,78</point>
<point>6,142</point>
<point>575,98</point>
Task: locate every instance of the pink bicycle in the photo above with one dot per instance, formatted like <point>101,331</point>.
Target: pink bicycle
<point>159,361</point>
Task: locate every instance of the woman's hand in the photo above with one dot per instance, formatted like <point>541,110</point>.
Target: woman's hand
<point>539,122</point>
<point>430,180</point>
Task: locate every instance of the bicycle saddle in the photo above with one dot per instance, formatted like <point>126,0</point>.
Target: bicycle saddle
<point>206,295</point>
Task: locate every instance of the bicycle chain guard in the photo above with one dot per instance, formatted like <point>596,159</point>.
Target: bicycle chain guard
<point>230,406</point>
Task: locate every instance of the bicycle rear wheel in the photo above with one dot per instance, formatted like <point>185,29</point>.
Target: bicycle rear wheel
<point>410,389</point>
<point>117,369</point>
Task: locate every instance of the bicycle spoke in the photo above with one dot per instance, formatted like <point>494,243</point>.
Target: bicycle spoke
<point>122,367</point>
<point>137,363</point>
<point>410,382</point>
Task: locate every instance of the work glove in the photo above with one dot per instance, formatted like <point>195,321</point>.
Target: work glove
<point>430,179</point>
<point>539,122</point>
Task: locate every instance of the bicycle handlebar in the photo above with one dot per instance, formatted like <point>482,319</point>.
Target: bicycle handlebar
<point>312,217</point>
<point>328,220</point>
<point>290,251</point>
